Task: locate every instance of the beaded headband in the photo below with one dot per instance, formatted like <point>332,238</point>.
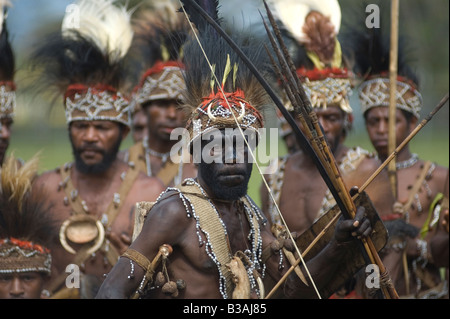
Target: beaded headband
<point>163,81</point>
<point>376,92</point>
<point>96,103</point>
<point>327,86</point>
<point>18,256</point>
<point>217,112</point>
<point>7,99</point>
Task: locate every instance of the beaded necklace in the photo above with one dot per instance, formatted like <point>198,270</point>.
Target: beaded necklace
<point>163,156</point>
<point>254,256</point>
<point>408,163</point>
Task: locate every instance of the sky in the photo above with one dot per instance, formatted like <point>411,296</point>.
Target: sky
<point>27,15</point>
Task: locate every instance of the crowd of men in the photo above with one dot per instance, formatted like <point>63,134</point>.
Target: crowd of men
<point>145,222</point>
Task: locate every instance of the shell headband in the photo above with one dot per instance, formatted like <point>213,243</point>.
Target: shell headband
<point>100,102</point>
<point>376,92</point>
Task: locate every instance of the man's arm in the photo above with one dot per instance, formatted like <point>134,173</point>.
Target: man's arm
<point>164,224</point>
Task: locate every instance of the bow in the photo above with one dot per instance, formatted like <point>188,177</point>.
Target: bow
<point>320,154</point>
<point>211,19</point>
<point>308,117</point>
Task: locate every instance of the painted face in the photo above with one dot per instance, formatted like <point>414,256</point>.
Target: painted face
<point>163,117</point>
<point>5,135</point>
<point>26,285</point>
<point>139,126</point>
<point>377,125</point>
<point>95,144</point>
<point>228,170</point>
<point>332,119</point>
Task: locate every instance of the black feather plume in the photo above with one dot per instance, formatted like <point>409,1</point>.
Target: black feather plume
<point>7,62</point>
<point>68,60</point>
<point>152,35</point>
<point>198,71</point>
<point>209,6</point>
<point>369,48</point>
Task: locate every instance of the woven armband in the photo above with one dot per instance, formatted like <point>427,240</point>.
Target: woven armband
<point>140,259</point>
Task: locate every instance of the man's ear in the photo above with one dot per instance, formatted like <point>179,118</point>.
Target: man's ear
<point>125,132</point>
<point>413,123</point>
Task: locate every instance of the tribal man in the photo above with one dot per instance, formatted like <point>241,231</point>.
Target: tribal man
<point>93,198</point>
<point>206,238</point>
<point>422,186</point>
<point>160,35</point>
<point>327,82</point>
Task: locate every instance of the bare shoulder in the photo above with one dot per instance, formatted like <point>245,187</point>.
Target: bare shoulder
<point>151,186</point>
<point>170,204</point>
<point>441,171</point>
<point>48,178</point>
<point>166,222</point>
<point>369,163</point>
<point>441,176</point>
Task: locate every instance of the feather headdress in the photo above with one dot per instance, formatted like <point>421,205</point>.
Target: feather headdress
<point>160,33</point>
<point>313,27</point>
<point>105,24</point>
<point>26,229</point>
<point>85,61</point>
<point>369,49</point>
<point>221,92</point>
<point>7,68</point>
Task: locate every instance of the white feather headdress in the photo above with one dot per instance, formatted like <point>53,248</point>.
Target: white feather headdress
<point>103,22</point>
<point>314,26</point>
<point>294,12</point>
<point>3,5</point>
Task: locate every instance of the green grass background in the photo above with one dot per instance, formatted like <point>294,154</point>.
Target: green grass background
<point>54,147</point>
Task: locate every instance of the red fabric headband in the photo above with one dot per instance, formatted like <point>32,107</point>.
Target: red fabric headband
<point>11,84</point>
